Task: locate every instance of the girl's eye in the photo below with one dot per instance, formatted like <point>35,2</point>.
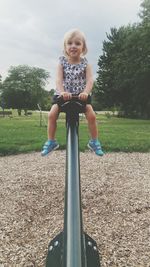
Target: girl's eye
<point>78,43</point>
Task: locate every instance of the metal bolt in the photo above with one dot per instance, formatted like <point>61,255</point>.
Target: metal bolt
<point>56,243</point>
<point>95,248</point>
<point>50,248</point>
<point>90,243</point>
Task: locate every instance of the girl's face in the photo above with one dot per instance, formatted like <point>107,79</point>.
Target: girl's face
<point>74,47</point>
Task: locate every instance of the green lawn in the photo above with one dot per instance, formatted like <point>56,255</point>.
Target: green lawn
<point>24,134</point>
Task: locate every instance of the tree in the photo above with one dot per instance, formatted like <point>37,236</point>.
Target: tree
<point>24,87</point>
<point>112,68</point>
<point>145,12</point>
<point>1,101</point>
<point>124,68</point>
<point>0,83</point>
<point>46,101</point>
<point>0,79</point>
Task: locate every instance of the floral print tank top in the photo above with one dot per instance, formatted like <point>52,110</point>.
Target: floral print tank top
<point>74,75</point>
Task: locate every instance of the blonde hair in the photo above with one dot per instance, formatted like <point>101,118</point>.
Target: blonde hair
<point>71,34</point>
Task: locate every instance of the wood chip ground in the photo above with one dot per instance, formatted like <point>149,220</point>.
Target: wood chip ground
<point>115,203</point>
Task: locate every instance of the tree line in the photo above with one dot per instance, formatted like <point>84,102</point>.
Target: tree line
<point>24,88</point>
<point>123,80</point>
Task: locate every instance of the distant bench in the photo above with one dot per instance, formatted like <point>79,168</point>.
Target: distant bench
<point>6,113</point>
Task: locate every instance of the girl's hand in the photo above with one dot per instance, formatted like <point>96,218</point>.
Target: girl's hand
<point>83,96</point>
<point>66,96</point>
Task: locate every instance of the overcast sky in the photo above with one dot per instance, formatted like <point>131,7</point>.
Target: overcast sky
<point>31,31</point>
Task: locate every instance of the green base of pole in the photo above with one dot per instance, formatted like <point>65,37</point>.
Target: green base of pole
<point>55,252</point>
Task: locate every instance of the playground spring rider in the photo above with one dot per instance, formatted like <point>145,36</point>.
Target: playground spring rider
<point>72,247</point>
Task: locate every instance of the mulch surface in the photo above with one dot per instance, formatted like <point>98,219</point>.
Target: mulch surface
<point>115,206</point>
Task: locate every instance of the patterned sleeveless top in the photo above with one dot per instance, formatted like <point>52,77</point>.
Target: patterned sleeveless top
<point>74,75</point>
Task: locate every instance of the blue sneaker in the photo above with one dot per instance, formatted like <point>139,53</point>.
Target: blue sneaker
<point>49,146</point>
<point>95,146</point>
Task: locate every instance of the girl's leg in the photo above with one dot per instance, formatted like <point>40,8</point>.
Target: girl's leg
<point>51,144</point>
<point>93,144</point>
<point>52,122</point>
<point>91,118</point>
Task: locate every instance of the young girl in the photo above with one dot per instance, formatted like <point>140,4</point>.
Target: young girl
<point>74,76</point>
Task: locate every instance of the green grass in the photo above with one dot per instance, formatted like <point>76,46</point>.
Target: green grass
<point>24,134</point>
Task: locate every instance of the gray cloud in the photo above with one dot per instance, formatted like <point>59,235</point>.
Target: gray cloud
<point>31,32</point>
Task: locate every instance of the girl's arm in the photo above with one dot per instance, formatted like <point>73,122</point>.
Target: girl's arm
<point>89,83</point>
<point>59,78</point>
<point>59,83</point>
<point>89,80</point>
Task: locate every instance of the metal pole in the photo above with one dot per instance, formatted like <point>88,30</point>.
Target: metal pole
<point>72,247</point>
<point>74,254</point>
